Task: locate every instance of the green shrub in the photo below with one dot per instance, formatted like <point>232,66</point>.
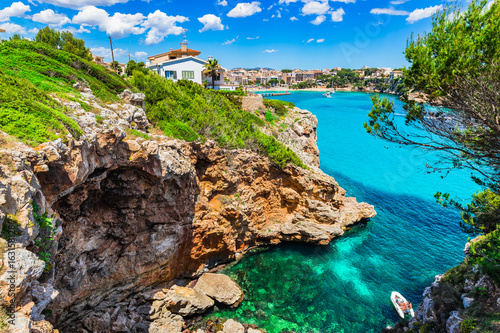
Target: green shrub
<point>486,255</point>
<point>4,326</point>
<point>270,117</point>
<point>132,132</point>
<point>280,107</point>
<point>11,227</point>
<point>467,326</point>
<point>45,240</point>
<point>185,110</point>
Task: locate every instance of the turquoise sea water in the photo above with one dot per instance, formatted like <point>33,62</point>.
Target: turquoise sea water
<point>345,286</point>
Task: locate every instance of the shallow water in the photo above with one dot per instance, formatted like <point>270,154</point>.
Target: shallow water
<point>345,286</point>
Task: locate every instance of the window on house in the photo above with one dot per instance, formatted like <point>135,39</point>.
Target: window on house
<point>171,75</point>
<point>188,75</point>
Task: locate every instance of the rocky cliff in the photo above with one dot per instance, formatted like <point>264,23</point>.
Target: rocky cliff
<point>462,300</point>
<point>99,220</point>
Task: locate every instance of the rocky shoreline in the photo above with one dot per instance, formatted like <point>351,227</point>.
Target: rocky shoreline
<point>119,215</point>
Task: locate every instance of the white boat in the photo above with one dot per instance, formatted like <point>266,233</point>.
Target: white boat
<point>402,306</point>
<point>328,93</point>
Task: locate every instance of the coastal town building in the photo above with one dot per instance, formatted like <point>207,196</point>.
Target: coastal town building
<point>184,64</point>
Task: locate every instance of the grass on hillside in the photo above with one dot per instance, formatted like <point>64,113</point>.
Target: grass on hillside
<point>185,110</point>
<point>32,72</point>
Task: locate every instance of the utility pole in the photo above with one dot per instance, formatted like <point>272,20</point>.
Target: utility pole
<point>129,57</point>
<point>112,54</point>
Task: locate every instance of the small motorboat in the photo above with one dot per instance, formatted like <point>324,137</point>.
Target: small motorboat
<point>328,93</point>
<point>402,306</point>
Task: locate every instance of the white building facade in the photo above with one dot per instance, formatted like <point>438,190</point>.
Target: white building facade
<point>187,68</point>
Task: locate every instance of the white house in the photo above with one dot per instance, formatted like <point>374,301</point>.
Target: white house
<point>184,64</point>
<point>178,64</point>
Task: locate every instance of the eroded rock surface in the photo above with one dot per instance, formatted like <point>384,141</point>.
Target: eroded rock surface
<point>131,214</point>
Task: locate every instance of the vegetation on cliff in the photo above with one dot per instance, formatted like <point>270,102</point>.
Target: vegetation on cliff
<point>185,110</point>
<point>31,74</point>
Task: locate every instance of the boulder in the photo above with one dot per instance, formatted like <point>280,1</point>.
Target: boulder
<point>231,326</point>
<point>187,301</point>
<point>168,323</point>
<point>467,301</point>
<point>221,288</point>
<point>453,323</point>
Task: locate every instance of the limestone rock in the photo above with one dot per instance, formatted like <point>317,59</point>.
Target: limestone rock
<point>187,301</point>
<point>221,288</point>
<point>231,326</point>
<point>42,294</point>
<point>41,327</point>
<point>22,324</point>
<point>168,323</point>
<point>27,268</point>
<point>467,301</point>
<point>453,323</point>
<point>73,105</point>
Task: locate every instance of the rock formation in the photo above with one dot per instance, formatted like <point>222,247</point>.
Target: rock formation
<point>131,214</point>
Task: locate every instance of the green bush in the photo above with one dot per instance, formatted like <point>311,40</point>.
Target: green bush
<point>486,255</point>
<point>467,326</point>
<point>280,107</point>
<point>136,133</point>
<point>185,110</point>
<point>11,228</point>
<point>4,326</point>
<point>270,117</point>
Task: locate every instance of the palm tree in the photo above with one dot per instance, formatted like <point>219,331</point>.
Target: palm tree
<point>211,69</point>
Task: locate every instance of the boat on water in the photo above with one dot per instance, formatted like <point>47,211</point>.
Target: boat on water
<point>328,93</point>
<point>402,306</point>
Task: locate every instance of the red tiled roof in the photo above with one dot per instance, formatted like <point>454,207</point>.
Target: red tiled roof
<point>188,50</point>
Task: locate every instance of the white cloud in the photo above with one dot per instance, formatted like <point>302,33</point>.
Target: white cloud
<point>17,9</point>
<point>389,11</point>
<point>33,31</point>
<point>12,28</point>
<point>210,22</point>
<point>319,19</point>
<point>245,9</point>
<point>51,18</point>
<point>106,52</point>
<point>73,30</point>
<point>293,18</point>
<point>119,25</point>
<point>337,15</point>
<point>80,4</point>
<point>229,42</point>
<point>310,40</point>
<point>222,2</point>
<point>419,14</point>
<point>253,37</point>
<point>141,55</point>
<point>398,2</point>
<point>270,51</point>
<point>348,1</point>
<point>161,26</point>
<point>321,40</point>
<point>286,2</point>
<point>315,8</point>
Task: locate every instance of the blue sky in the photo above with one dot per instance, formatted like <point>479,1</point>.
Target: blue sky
<point>305,34</point>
